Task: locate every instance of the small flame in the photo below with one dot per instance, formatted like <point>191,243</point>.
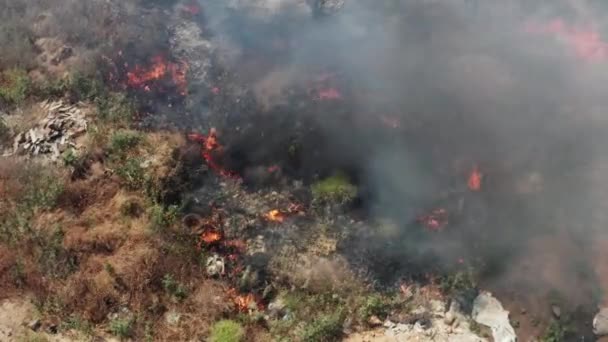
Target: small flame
<point>474,181</point>
<point>436,220</point>
<point>143,77</point>
<point>244,303</point>
<point>211,148</point>
<point>273,168</point>
<point>210,237</point>
<point>275,215</point>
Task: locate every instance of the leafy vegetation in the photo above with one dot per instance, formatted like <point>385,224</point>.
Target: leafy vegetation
<point>124,140</point>
<point>227,331</point>
<point>374,305</point>
<point>557,331</point>
<point>122,327</point>
<point>5,132</point>
<point>174,288</point>
<point>335,189</point>
<point>162,217</point>
<point>324,329</point>
<point>14,86</point>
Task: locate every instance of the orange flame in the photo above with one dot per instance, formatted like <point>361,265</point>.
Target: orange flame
<point>211,148</point>
<point>329,94</point>
<point>210,237</point>
<point>275,215</point>
<point>142,77</point>
<point>474,181</point>
<point>436,220</point>
<point>243,303</point>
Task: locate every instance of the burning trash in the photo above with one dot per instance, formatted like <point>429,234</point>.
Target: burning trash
<point>436,220</point>
<point>211,149</point>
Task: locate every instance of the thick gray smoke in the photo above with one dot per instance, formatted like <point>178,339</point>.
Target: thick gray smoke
<point>468,83</point>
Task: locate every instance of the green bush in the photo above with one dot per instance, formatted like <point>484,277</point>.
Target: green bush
<point>162,217</point>
<point>174,288</point>
<point>5,132</point>
<point>374,305</point>
<point>122,327</point>
<point>124,140</point>
<point>326,328</point>
<point>14,86</point>
<point>132,174</point>
<point>227,331</point>
<point>335,189</point>
<point>115,108</point>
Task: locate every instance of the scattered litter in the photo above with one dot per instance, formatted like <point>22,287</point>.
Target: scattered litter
<point>215,265</point>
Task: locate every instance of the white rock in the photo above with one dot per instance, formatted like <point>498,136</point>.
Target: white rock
<point>487,310</point>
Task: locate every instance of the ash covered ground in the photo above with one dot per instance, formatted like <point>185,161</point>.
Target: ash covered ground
<point>304,170</point>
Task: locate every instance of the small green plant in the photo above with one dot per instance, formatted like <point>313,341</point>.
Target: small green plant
<point>162,217</point>
<point>115,108</point>
<point>75,322</point>
<point>14,86</point>
<point>174,288</point>
<point>458,282</point>
<point>132,174</point>
<point>69,157</point>
<point>124,140</point>
<point>18,273</point>
<point>122,327</point>
<point>326,328</point>
<point>227,331</point>
<point>374,305</point>
<point>556,332</point>
<point>5,132</point>
<point>335,189</point>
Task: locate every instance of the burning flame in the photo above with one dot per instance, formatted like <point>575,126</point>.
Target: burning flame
<point>211,148</point>
<point>275,215</point>
<point>474,181</point>
<point>143,77</point>
<point>586,42</point>
<point>436,220</point>
<point>244,303</point>
<point>210,237</point>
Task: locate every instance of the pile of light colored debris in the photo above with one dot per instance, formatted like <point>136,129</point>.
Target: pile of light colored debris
<point>55,133</point>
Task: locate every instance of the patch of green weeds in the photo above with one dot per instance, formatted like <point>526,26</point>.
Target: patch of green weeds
<point>374,305</point>
<point>123,141</point>
<point>335,189</point>
<point>5,132</point>
<point>174,288</point>
<point>162,217</point>
<point>458,282</point>
<point>556,332</point>
<point>55,261</point>
<point>75,322</point>
<point>18,273</point>
<point>69,157</point>
<point>116,108</point>
<point>326,328</point>
<point>227,331</point>
<point>122,327</point>
<point>15,86</point>
<point>131,173</point>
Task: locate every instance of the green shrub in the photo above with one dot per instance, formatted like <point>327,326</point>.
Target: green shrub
<point>14,86</point>
<point>335,189</point>
<point>374,305</point>
<point>124,140</point>
<point>326,328</point>
<point>115,108</point>
<point>162,217</point>
<point>227,331</point>
<point>69,157</point>
<point>5,132</point>
<point>174,288</point>
<point>132,174</point>
<point>122,327</point>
